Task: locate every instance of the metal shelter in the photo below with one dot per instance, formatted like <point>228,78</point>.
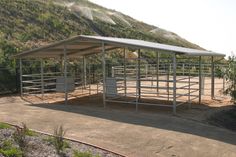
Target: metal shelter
<point>82,46</point>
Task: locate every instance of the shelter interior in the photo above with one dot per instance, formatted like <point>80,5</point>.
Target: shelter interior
<point>120,70</point>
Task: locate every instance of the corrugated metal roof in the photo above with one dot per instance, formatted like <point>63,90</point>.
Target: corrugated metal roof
<point>84,45</point>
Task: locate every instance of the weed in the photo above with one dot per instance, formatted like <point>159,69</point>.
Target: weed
<point>51,140</point>
<point>58,139</point>
<point>84,154</point>
<point>7,144</point>
<point>30,133</point>
<point>20,136</point>
<point>4,126</point>
<point>8,150</point>
<point>12,152</point>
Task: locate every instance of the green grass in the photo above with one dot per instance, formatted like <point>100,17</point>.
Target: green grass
<point>13,152</point>
<point>4,126</point>
<point>51,140</point>
<point>84,154</point>
<point>8,150</point>
<point>30,133</point>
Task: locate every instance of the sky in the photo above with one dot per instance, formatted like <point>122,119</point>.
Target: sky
<point>210,24</point>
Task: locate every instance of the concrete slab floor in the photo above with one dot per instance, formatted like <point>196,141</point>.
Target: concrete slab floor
<point>130,133</point>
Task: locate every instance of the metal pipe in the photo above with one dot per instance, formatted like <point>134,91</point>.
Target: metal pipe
<point>200,80</point>
<point>89,77</point>
<point>125,82</point>
<point>174,84</point>
<point>189,89</point>
<point>168,78</point>
<point>84,72</point>
<point>139,73</point>
<point>157,70</point>
<point>21,81</point>
<point>104,74</point>
<point>212,78</point>
<point>65,75</point>
<point>146,70</point>
<point>42,79</point>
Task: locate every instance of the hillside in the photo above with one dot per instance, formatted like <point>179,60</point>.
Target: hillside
<point>30,23</point>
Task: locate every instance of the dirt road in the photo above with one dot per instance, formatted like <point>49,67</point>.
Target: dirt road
<point>130,133</point>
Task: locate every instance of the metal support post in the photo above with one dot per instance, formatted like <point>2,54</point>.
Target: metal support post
<point>168,79</point>
<point>65,75</point>
<point>212,78</point>
<point>21,80</point>
<point>104,73</point>
<point>138,90</point>
<point>157,69</point>
<point>146,70</point>
<point>223,83</point>
<point>174,84</point>
<point>42,77</point>
<point>189,88</point>
<point>200,80</point>
<point>112,71</point>
<point>139,73</point>
<point>62,68</point>
<point>84,72</point>
<point>89,81</point>
<point>125,77</point>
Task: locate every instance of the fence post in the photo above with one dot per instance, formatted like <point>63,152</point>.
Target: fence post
<point>212,78</point>
<point>174,83</point>
<point>21,79</point>
<point>17,79</point>
<point>200,80</point>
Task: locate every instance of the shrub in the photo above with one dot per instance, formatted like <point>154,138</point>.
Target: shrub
<point>84,154</point>
<point>230,75</point>
<point>4,126</point>
<point>8,150</point>
<point>58,139</point>
<point>20,136</point>
<point>12,152</point>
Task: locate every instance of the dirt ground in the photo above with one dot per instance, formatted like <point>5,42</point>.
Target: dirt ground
<point>152,131</point>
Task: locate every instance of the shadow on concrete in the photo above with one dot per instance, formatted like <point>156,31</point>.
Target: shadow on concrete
<point>146,116</point>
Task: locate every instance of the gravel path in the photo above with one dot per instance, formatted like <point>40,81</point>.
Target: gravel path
<point>40,145</point>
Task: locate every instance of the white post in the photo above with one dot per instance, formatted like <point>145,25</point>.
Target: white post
<point>174,84</point>
<point>104,73</point>
<point>65,75</point>
<point>42,77</point>
<point>21,80</point>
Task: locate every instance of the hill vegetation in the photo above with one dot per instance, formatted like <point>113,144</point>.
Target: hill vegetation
<point>30,23</point>
<point>26,24</point>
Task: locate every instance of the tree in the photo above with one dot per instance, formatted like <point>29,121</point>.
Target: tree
<point>230,75</point>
